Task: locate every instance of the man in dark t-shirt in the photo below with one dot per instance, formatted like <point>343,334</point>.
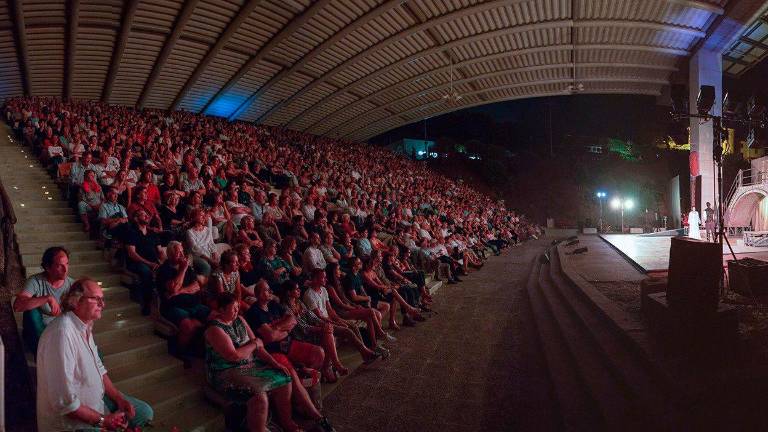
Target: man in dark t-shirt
<point>273,323</point>
<point>180,293</point>
<point>144,255</point>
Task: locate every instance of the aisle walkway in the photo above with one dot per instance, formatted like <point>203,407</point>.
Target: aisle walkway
<point>473,367</point>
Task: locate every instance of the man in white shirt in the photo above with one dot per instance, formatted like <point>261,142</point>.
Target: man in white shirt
<point>74,391</point>
<point>313,256</point>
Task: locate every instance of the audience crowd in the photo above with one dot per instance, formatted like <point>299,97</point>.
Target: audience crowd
<point>272,242</point>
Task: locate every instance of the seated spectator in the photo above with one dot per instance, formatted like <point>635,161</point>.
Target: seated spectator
<point>144,256</point>
<point>249,236</point>
<point>113,218</point>
<point>258,206</point>
<point>227,279</point>
<point>317,301</point>
<point>405,267</point>
<point>348,310</point>
<point>274,268</point>
<point>346,251</point>
<point>248,272</point>
<point>381,290</point>
<point>200,240</point>
<point>74,391</point>
<point>221,218</point>
<point>91,198</point>
<point>330,254</point>
<point>171,185</point>
<point>238,366</point>
<point>268,228</point>
<point>407,289</point>
<point>237,210</point>
<point>313,258</point>
<point>297,228</point>
<point>288,252</point>
<point>180,295</point>
<point>147,181</point>
<point>141,202</point>
<point>40,299</point>
<point>172,215</point>
<point>273,324</point>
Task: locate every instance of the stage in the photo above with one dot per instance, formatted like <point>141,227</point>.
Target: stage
<point>651,254</point>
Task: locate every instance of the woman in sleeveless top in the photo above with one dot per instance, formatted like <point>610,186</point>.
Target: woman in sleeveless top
<point>232,370</point>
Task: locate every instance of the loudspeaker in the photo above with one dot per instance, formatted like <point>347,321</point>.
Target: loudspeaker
<point>705,100</point>
<point>695,268</point>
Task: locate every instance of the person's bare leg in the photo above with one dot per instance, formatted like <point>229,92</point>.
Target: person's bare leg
<point>407,309</point>
<point>257,412</point>
<point>369,316</point>
<point>282,399</point>
<point>331,356</point>
<point>301,398</point>
<point>392,311</point>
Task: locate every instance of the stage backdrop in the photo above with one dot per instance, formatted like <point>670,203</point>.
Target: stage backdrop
<point>673,203</point>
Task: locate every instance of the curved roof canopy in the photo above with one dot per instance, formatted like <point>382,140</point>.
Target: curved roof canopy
<point>346,68</point>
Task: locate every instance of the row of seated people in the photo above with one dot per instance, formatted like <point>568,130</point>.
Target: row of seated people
<point>359,222</point>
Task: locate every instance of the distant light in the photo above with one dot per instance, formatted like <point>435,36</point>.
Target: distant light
<point>629,204</point>
<point>421,152</point>
<point>615,203</point>
<point>22,204</point>
<point>602,194</point>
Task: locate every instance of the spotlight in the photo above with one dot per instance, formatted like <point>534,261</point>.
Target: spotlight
<point>705,100</point>
<point>601,194</point>
<point>629,204</point>
<point>615,203</point>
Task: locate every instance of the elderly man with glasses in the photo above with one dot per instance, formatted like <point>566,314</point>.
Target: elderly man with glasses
<point>74,391</point>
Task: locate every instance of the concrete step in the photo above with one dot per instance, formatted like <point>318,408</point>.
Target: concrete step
<point>614,400</point>
<point>171,396</point>
<point>201,417</point>
<point>116,293</point>
<point>62,227</point>
<point>22,212</point>
<point>105,279</point>
<point>131,378</point>
<point>75,257</point>
<point>106,330</point>
<point>578,407</point>
<point>120,309</point>
<point>131,350</point>
<point>36,193</point>
<point>40,204</point>
<point>51,237</point>
<point>38,247</point>
<point>46,219</point>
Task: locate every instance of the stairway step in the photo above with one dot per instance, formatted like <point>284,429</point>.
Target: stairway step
<point>171,396</point>
<point>106,330</point>
<point>52,237</point>
<point>132,350</point>
<point>130,378</point>
<point>46,219</point>
<point>116,293</point>
<point>38,247</point>
<point>40,205</point>
<point>623,362</point>
<point>75,257</point>
<point>27,227</point>
<point>22,212</point>
<point>121,309</point>
<point>578,409</point>
<point>201,417</point>
<point>615,401</point>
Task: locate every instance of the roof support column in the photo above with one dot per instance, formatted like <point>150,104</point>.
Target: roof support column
<point>706,68</point>
<point>73,13</point>
<point>20,37</point>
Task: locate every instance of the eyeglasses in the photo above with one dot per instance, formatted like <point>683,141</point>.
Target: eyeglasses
<point>97,299</point>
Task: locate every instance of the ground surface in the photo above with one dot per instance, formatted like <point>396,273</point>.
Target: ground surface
<point>475,366</point>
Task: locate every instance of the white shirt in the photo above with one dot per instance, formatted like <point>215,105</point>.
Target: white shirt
<point>69,374</point>
<point>317,301</point>
<point>313,259</point>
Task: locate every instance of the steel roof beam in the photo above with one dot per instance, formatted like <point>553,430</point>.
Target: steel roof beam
<point>20,39</point>
<point>126,22</point>
<point>528,84</point>
<point>170,43</point>
<point>234,25</point>
<point>469,62</point>
<point>487,35</point>
<point>73,16</point>
<point>699,4</point>
<point>261,54</point>
<point>507,72</point>
<point>357,23</point>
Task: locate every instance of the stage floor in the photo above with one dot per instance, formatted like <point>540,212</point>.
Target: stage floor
<point>651,254</point>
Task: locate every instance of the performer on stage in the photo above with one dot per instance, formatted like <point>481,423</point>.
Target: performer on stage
<point>709,221</point>
<point>693,224</point>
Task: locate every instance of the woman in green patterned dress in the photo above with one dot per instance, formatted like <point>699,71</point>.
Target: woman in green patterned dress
<point>233,371</point>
